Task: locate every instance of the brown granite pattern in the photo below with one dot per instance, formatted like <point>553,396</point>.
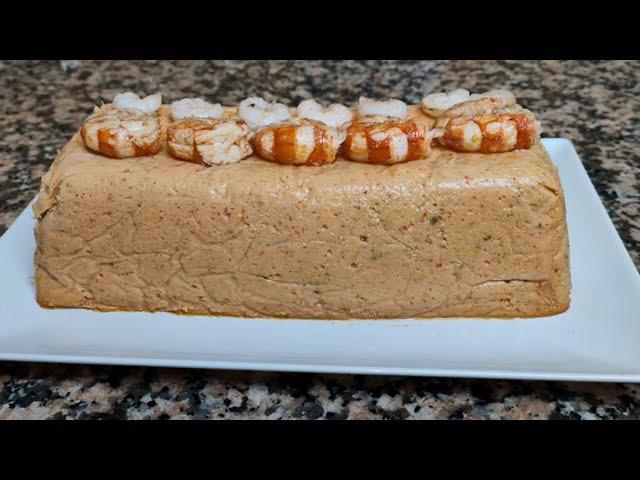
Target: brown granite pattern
<point>595,104</point>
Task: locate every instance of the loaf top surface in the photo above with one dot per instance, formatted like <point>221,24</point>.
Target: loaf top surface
<point>444,168</point>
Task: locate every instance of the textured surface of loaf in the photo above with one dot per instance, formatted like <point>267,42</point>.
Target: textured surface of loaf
<point>458,234</point>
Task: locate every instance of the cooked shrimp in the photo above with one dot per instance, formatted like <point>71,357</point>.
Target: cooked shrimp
<point>386,141</point>
<point>386,108</point>
<point>299,141</point>
<point>481,105</point>
<point>335,115</point>
<point>131,101</point>
<point>258,113</point>
<point>195,108</point>
<point>209,141</point>
<point>436,104</point>
<point>508,129</point>
<point>490,122</point>
<point>121,133</point>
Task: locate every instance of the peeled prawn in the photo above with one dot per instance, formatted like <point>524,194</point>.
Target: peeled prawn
<point>491,133</point>
<point>481,106</point>
<point>195,108</point>
<point>209,141</point>
<point>382,135</point>
<point>386,141</point>
<point>121,133</point>
<point>490,122</point>
<point>387,108</point>
<point>335,115</point>
<point>131,101</point>
<point>257,113</point>
<point>299,141</point>
<point>436,104</point>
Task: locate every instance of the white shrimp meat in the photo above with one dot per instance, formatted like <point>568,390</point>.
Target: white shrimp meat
<point>387,108</point>
<point>335,115</point>
<point>195,108</point>
<point>129,100</point>
<point>258,113</point>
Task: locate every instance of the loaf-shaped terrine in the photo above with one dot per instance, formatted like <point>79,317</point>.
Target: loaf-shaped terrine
<point>455,234</point>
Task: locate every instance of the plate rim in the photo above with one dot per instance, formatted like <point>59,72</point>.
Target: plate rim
<point>322,369</point>
<point>351,369</point>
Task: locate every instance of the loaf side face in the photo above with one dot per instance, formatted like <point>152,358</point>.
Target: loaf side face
<point>452,235</point>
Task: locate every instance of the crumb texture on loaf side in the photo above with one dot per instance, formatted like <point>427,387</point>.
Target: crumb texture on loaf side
<point>454,235</point>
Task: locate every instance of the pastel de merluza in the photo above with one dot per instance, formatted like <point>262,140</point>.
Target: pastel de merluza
<point>456,234</point>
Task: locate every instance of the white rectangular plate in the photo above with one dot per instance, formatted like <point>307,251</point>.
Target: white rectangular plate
<point>597,339</point>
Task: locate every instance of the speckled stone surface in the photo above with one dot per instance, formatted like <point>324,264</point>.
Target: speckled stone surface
<point>595,104</point>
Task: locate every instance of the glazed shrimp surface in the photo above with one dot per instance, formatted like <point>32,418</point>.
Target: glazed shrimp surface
<point>209,141</point>
<point>129,127</point>
<point>490,122</point>
<point>121,133</point>
<point>202,133</point>
<point>386,141</point>
<point>436,104</point>
<point>382,134</point>
<point>335,115</point>
<point>299,141</point>
<point>257,112</point>
<point>499,133</point>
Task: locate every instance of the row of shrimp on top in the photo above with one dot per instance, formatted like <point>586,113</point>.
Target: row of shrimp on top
<point>375,131</point>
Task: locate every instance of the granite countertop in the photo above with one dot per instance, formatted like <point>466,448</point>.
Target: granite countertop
<point>595,104</point>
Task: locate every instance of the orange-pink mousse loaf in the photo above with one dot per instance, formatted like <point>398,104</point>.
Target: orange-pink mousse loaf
<point>456,234</point>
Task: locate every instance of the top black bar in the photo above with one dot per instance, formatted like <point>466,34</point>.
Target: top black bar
<point>371,31</point>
